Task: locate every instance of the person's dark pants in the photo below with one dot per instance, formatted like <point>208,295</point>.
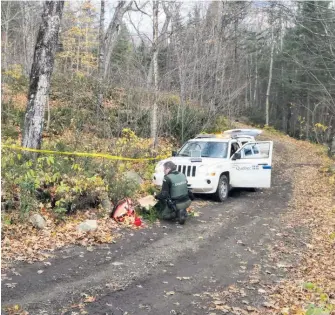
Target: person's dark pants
<point>166,213</point>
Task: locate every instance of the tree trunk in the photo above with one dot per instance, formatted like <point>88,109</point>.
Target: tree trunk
<point>155,73</point>
<point>4,54</point>
<point>101,56</point>
<point>307,115</point>
<point>41,72</point>
<point>256,77</point>
<point>25,37</point>
<point>149,78</point>
<point>112,31</point>
<point>49,114</point>
<point>163,41</point>
<point>267,104</point>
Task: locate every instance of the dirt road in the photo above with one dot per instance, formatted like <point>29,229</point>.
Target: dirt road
<point>214,259</point>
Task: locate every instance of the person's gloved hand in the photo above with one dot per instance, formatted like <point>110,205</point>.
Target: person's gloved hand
<point>190,195</point>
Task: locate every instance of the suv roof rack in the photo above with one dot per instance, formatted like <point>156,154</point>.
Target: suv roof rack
<point>225,135</point>
<point>203,135</point>
<point>243,132</point>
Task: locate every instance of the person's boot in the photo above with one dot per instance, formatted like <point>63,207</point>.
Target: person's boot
<point>182,216</point>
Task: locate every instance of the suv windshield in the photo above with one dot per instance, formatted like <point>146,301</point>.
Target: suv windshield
<point>204,149</point>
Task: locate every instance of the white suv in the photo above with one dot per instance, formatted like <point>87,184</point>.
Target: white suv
<point>215,163</point>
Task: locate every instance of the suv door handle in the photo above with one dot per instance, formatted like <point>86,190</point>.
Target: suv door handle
<point>263,164</point>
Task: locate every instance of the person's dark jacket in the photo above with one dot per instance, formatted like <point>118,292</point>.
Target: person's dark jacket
<point>165,191</point>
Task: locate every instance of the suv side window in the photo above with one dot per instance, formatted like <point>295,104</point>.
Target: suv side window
<point>247,151</point>
<point>234,148</point>
<point>253,151</point>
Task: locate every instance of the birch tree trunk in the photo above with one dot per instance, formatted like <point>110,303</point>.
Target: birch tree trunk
<point>155,73</point>
<point>267,103</point>
<point>256,78</point>
<point>163,40</point>
<point>41,72</point>
<point>101,56</point>
<point>5,46</point>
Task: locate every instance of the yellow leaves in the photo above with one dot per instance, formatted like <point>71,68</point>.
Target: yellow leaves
<point>297,311</point>
<point>75,31</point>
<point>87,5</point>
<point>89,299</point>
<point>14,71</point>
<point>15,310</point>
<point>321,127</point>
<point>324,297</point>
<point>80,74</point>
<point>285,311</point>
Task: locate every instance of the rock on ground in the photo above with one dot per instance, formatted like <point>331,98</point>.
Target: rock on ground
<point>88,225</point>
<point>106,204</point>
<point>37,221</point>
<point>131,175</point>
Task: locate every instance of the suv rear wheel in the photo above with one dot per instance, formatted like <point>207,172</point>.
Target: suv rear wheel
<point>221,193</point>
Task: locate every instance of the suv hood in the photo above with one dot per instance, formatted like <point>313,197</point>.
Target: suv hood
<point>197,161</point>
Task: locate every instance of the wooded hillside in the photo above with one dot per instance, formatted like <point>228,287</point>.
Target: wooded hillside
<point>161,64</point>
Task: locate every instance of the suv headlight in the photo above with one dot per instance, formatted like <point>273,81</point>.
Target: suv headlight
<point>159,167</point>
<point>207,170</point>
<point>211,171</point>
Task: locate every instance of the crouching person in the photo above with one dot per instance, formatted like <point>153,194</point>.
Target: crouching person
<point>174,197</point>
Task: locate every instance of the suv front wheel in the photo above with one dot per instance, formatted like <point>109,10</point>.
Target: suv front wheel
<point>221,193</point>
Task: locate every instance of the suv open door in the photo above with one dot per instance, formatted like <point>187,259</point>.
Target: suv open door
<point>251,165</point>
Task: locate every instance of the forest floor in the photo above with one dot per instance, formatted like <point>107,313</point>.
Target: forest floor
<point>265,252</point>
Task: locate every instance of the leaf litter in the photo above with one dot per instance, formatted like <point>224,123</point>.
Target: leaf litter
<point>23,242</point>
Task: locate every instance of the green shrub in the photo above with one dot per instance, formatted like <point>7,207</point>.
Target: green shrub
<point>324,306</point>
<point>65,184</point>
<point>255,115</point>
<point>27,198</point>
<point>15,79</point>
<point>184,124</point>
<point>11,115</point>
<point>119,187</point>
<point>151,215</point>
<point>220,124</point>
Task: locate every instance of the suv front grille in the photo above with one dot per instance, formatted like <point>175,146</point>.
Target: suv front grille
<point>187,170</point>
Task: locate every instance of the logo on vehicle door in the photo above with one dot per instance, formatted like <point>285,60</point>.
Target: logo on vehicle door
<point>246,168</point>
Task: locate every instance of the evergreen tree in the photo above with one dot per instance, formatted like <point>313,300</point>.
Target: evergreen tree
<point>123,50</point>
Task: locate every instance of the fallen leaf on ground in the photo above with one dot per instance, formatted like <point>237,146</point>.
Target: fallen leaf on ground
<point>89,299</point>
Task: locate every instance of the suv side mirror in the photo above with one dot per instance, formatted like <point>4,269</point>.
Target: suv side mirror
<point>236,156</point>
<point>174,153</point>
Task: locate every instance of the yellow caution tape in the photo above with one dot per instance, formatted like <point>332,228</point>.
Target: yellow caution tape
<point>83,154</point>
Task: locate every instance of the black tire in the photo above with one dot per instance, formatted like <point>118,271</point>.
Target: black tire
<point>222,190</point>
